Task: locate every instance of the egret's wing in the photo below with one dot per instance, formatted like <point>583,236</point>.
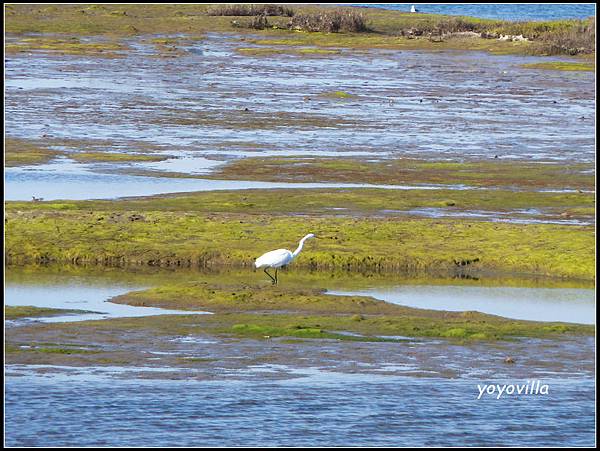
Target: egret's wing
<point>274,258</point>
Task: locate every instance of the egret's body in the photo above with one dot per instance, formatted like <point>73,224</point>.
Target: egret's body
<point>413,9</point>
<point>278,258</point>
<point>274,259</point>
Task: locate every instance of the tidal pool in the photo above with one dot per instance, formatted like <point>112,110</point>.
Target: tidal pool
<point>57,181</point>
<point>571,305</point>
<point>521,216</point>
<point>195,106</point>
<point>79,293</point>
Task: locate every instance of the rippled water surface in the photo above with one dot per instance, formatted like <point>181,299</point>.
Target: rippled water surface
<point>506,11</point>
<point>405,104</point>
<point>316,408</point>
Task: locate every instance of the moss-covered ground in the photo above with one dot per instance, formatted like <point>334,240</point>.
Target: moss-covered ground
<point>28,311</point>
<point>480,173</point>
<point>332,202</point>
<point>244,317</point>
<point>233,228</point>
<point>355,230</point>
<point>26,152</point>
<point>293,277</point>
<point>18,152</point>
<point>258,313</point>
<point>562,65</point>
<point>67,46</point>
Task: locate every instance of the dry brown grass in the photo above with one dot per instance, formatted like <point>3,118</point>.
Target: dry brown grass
<point>250,10</point>
<point>330,22</point>
<point>576,40</point>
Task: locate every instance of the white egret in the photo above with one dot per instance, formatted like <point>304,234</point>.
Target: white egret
<point>278,258</point>
<point>413,9</point>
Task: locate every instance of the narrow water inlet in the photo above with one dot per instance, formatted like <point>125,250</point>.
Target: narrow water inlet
<point>571,305</point>
<point>75,293</point>
<point>55,182</point>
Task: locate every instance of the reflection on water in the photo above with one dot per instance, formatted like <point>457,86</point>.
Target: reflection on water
<point>519,216</point>
<point>87,289</point>
<point>25,182</point>
<point>537,304</point>
<point>68,292</point>
<point>316,408</point>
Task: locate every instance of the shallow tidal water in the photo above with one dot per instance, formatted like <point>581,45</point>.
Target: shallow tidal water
<point>73,293</point>
<point>571,305</point>
<point>406,393</point>
<point>315,409</point>
<point>55,182</point>
<point>192,108</point>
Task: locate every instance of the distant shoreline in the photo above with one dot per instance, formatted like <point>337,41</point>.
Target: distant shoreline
<point>549,11</point>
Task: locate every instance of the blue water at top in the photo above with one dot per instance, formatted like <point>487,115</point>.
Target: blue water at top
<point>505,11</point>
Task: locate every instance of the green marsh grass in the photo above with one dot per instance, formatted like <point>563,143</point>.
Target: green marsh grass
<point>182,231</point>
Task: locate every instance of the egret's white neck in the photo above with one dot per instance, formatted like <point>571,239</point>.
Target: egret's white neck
<point>300,245</point>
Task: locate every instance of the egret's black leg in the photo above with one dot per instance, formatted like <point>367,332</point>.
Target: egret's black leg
<point>275,276</point>
<point>270,276</point>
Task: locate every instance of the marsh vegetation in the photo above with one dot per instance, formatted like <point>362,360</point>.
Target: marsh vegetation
<point>324,24</point>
